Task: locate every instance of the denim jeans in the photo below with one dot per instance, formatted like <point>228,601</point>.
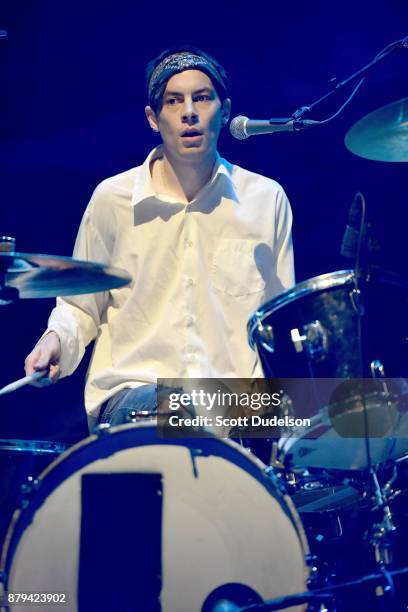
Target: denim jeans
<point>121,407</point>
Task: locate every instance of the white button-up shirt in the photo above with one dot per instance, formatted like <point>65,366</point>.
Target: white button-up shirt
<point>199,271</point>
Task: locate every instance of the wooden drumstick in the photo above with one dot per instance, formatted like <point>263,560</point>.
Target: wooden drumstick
<point>21,382</point>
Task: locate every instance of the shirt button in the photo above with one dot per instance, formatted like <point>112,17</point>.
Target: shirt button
<point>188,244</point>
<point>189,282</point>
<point>189,321</point>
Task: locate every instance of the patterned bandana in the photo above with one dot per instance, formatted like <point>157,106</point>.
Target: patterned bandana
<point>178,62</point>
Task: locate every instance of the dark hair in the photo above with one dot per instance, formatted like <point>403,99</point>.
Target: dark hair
<point>221,84</point>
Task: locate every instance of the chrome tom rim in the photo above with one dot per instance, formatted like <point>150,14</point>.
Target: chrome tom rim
<point>317,284</point>
<point>312,285</point>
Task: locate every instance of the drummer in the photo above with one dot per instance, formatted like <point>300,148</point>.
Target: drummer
<point>205,241</point>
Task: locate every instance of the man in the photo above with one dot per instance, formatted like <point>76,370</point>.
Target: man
<point>206,243</point>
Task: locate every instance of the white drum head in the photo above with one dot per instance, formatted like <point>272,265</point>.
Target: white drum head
<point>222,521</point>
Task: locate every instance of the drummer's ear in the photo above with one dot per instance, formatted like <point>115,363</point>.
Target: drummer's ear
<point>225,111</point>
<point>151,118</point>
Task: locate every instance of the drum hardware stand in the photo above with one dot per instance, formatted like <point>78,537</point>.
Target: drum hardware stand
<point>278,478</point>
<point>377,371</point>
<point>379,536</point>
<point>281,475</point>
<point>276,463</point>
<point>285,482</point>
<point>323,595</point>
<point>355,297</point>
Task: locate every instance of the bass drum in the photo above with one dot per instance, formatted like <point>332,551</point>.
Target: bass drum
<point>129,521</point>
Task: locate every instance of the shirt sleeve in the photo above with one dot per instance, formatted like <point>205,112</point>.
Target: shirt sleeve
<point>284,272</point>
<point>76,319</point>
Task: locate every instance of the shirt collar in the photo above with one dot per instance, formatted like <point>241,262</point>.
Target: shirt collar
<point>144,189</point>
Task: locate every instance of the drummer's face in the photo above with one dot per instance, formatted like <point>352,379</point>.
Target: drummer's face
<point>191,116</point>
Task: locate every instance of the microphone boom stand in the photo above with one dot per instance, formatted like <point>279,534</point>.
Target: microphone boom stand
<point>298,115</point>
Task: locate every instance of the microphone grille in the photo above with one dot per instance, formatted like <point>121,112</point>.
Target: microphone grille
<point>237,127</point>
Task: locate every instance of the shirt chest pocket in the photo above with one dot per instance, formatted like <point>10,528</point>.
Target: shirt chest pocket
<point>233,268</point>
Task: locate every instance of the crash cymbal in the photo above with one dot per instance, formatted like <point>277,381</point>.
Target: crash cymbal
<point>381,135</point>
<point>46,276</point>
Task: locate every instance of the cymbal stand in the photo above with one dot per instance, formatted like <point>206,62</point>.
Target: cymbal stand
<point>380,532</point>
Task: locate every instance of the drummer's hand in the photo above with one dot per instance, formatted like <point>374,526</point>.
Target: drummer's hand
<point>45,356</point>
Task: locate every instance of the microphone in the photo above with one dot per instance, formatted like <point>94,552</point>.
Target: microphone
<point>352,231</point>
<point>242,127</point>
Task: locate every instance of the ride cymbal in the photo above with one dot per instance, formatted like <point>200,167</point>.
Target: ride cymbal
<point>381,135</point>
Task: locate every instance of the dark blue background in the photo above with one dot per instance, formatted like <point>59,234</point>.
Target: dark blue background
<point>72,97</point>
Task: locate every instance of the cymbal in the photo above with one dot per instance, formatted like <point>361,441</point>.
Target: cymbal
<point>381,135</point>
<point>46,276</point>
